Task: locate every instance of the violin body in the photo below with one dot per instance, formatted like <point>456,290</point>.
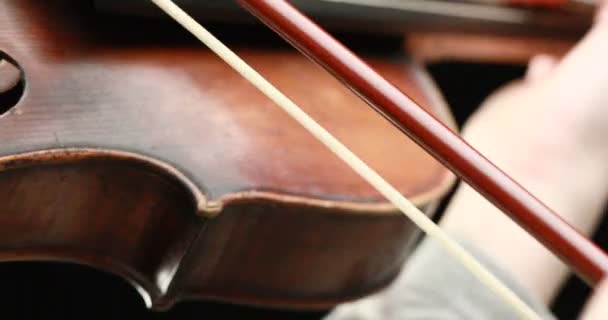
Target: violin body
<point>135,151</point>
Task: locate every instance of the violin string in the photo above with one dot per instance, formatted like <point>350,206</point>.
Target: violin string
<point>340,150</point>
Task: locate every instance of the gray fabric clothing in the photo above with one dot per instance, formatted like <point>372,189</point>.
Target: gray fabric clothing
<point>433,285</point>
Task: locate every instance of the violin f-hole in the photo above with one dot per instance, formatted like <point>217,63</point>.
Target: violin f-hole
<point>12,82</point>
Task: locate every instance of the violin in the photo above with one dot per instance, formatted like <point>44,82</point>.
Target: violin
<point>131,149</point>
<point>148,158</point>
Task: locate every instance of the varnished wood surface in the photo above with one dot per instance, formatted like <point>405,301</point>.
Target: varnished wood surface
<point>99,211</point>
<point>481,47</point>
<point>325,256</point>
<point>539,220</point>
<point>138,152</point>
<point>182,105</point>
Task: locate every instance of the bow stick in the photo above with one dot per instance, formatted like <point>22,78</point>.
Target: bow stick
<point>577,251</point>
<point>437,139</point>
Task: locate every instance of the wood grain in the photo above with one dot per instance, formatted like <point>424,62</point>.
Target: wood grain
<point>138,152</point>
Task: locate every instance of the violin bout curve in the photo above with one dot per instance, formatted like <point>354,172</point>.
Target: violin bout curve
<point>216,194</point>
<point>139,218</point>
<point>115,211</point>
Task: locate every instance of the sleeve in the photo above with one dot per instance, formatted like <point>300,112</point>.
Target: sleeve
<point>433,285</point>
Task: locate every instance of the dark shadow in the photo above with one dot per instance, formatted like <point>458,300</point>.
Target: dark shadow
<point>65,291</point>
<point>46,290</point>
<point>10,98</point>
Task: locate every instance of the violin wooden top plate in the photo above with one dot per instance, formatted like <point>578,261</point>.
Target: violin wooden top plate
<point>179,104</point>
<point>129,132</point>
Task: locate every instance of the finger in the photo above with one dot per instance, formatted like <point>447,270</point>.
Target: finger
<point>597,307</point>
<point>582,74</point>
<point>540,66</point>
<point>601,17</point>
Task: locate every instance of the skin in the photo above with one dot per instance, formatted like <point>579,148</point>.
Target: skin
<point>548,132</point>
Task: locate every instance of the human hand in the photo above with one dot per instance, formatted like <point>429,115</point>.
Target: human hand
<point>548,131</point>
<point>566,99</point>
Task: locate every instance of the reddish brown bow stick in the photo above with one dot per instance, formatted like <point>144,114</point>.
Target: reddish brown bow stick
<point>582,255</point>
